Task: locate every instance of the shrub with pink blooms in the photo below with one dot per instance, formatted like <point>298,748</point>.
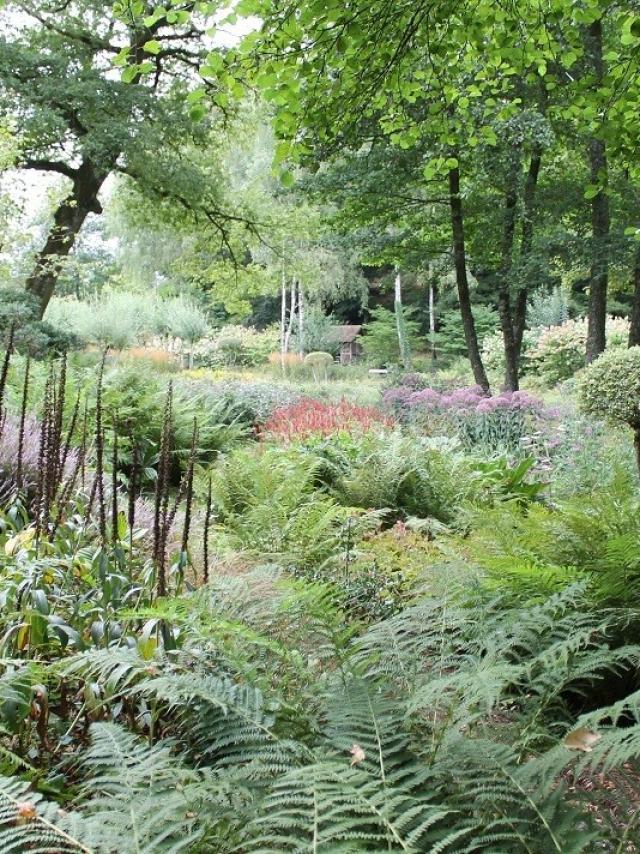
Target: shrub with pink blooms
<point>560,350</point>
<point>498,422</point>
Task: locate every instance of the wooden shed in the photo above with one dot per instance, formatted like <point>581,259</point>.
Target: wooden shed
<point>346,337</point>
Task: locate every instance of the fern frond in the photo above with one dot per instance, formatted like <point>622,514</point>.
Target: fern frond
<point>29,823</point>
<point>135,794</point>
<point>224,722</point>
<point>333,807</point>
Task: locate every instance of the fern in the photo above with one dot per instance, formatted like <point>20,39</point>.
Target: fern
<point>29,823</point>
<point>136,795</point>
<point>508,813</point>
<point>376,801</point>
<point>330,806</point>
<point>224,723</point>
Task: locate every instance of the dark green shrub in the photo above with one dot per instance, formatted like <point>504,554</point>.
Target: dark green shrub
<point>610,388</point>
<point>450,341</point>
<point>136,398</point>
<point>36,337</point>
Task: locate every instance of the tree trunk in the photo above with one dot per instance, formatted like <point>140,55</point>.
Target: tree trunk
<point>403,344</point>
<point>432,322</point>
<point>636,445</point>
<point>67,222</point>
<point>511,356</point>
<point>292,314</point>
<point>300,320</point>
<point>634,329</point>
<point>283,308</point>
<point>526,245</point>
<point>462,282</point>
<point>600,217</point>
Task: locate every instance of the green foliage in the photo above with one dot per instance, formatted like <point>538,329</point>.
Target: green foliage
<point>253,401</point>
<point>230,350</point>
<point>387,568</point>
<point>319,363</point>
<point>591,538</point>
<point>145,793</point>
<point>380,336</point>
<point>30,823</point>
<point>450,340</point>
<point>443,725</point>
<point>318,335</point>
<point>493,353</point>
<point>237,346</point>
<point>560,350</point>
<point>33,336</point>
<point>120,319</point>
<point>610,387</point>
<point>510,483</point>
<point>403,476</point>
<point>134,397</point>
<point>548,309</point>
<point>267,506</point>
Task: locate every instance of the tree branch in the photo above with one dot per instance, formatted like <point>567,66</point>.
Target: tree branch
<point>49,166</point>
<point>83,36</point>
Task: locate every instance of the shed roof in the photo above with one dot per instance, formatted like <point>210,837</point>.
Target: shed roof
<point>344,334</point>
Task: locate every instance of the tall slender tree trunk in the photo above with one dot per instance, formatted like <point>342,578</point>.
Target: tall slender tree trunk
<point>600,216</point>
<point>634,329</point>
<point>432,321</point>
<point>283,314</point>
<point>506,263</point>
<point>526,243</point>
<point>403,344</point>
<point>67,222</point>
<point>462,281</point>
<point>300,320</point>
<point>292,314</point>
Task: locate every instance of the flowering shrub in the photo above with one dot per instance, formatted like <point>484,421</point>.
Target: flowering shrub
<point>30,460</point>
<point>493,422</point>
<point>396,396</point>
<point>311,417</point>
<point>560,350</point>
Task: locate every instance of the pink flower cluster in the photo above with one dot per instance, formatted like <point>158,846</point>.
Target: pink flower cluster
<point>465,400</point>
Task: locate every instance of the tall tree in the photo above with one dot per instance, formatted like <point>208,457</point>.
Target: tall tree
<point>350,75</point>
<point>600,215</point>
<point>79,120</point>
<point>405,72</point>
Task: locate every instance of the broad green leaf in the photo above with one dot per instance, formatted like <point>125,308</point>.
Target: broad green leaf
<point>152,46</point>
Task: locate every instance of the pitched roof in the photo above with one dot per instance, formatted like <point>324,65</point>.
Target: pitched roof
<point>344,334</point>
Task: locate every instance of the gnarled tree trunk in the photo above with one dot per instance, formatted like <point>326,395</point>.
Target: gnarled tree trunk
<point>67,222</point>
